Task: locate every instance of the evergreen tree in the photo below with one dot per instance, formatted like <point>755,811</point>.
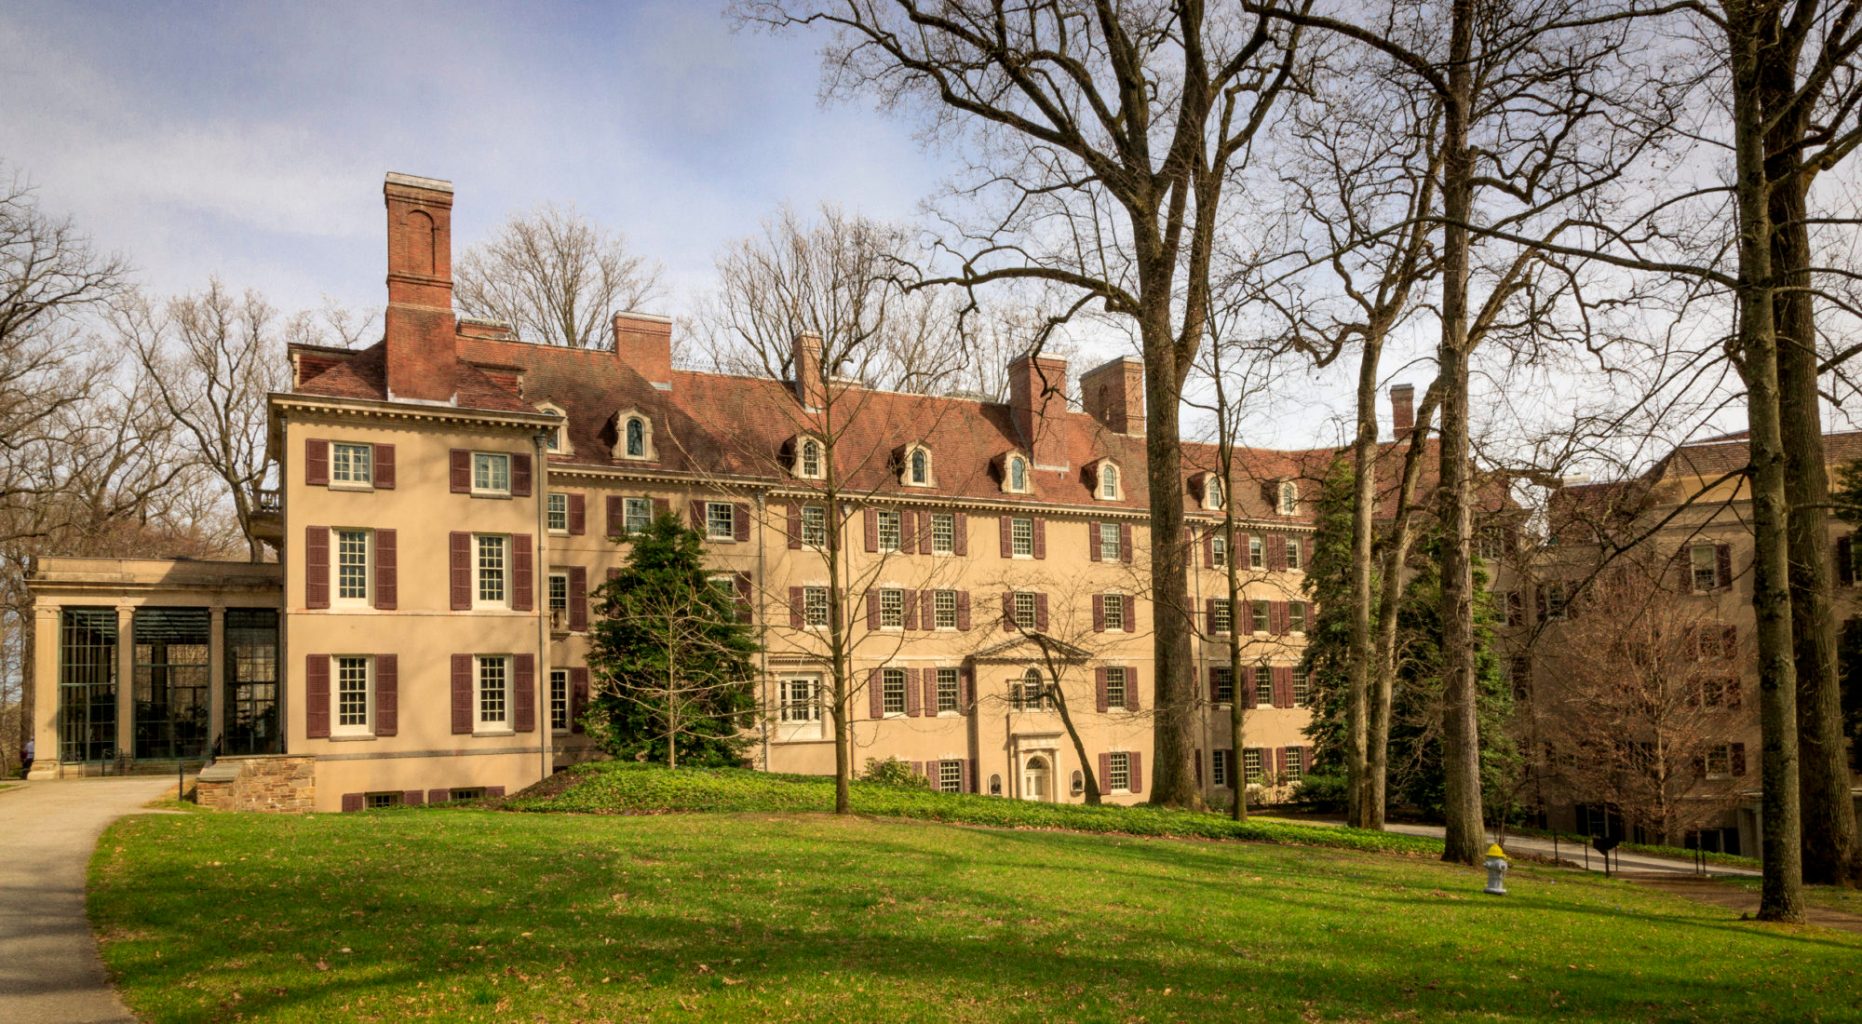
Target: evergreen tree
<point>671,656</point>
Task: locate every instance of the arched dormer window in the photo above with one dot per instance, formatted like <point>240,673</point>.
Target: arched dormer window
<point>1017,477</point>
<point>808,457</point>
<point>636,437</point>
<point>1108,483</point>
<point>558,443</point>
<point>633,436</point>
<point>1288,498</point>
<point>1212,492</point>
<point>918,468</point>
<point>810,464</point>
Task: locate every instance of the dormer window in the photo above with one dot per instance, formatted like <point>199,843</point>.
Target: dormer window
<point>1212,492</point>
<point>1015,474</point>
<point>1287,498</point>
<point>811,458</point>
<point>556,440</point>
<point>636,438</point>
<point>633,436</point>
<point>918,469</point>
<point>1108,482</point>
<point>807,457</point>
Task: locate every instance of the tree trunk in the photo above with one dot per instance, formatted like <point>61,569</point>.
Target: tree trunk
<point>1237,739</point>
<point>1461,755</point>
<point>1073,734</point>
<point>1363,513</point>
<point>1173,783</point>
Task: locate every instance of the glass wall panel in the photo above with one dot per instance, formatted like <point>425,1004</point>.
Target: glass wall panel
<point>252,681</point>
<point>87,684</point>
<point>173,647</point>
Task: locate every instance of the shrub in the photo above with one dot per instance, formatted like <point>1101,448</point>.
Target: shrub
<point>1322,791</point>
<point>893,772</point>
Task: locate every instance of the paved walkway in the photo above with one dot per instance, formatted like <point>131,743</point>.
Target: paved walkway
<point>1572,853</point>
<point>49,970</point>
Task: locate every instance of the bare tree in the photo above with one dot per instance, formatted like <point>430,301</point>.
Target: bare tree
<point>555,278</point>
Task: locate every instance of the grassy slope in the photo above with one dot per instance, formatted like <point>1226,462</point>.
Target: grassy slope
<point>472,915</point>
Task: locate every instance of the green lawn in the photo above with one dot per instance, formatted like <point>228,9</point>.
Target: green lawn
<point>478,915</point>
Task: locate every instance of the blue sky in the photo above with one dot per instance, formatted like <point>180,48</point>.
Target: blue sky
<point>249,141</point>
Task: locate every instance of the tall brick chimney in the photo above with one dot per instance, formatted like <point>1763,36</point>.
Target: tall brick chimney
<point>1113,394</point>
<point>811,388</point>
<point>419,326</point>
<point>644,342</point>
<point>1403,409</point>
<point>1037,401</point>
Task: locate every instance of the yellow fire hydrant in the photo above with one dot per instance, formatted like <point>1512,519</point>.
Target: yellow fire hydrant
<point>1496,871</point>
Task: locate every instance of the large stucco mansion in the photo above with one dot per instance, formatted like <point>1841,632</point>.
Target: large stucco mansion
<point>448,498</point>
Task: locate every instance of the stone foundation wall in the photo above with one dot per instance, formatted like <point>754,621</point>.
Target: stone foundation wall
<point>261,784</point>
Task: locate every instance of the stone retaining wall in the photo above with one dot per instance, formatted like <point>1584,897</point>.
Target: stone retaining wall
<point>275,783</point>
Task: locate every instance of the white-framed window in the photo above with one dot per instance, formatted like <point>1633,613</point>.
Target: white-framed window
<point>1029,693</point>
<point>1118,772</point>
<point>808,461</point>
<point>634,437</point>
<point>1222,683</point>
<point>720,521</point>
<point>1108,482</point>
<point>1705,564</point>
<point>558,593</point>
<point>891,608</point>
<point>1212,493</point>
<point>1218,766</point>
<point>353,694</point>
<point>889,530</point>
<point>381,801</point>
<point>491,473</point>
<point>950,776</point>
<point>1490,542</point>
<point>1296,763</point>
<point>947,690</point>
<point>943,533</point>
<point>1296,617</point>
<point>1110,549</point>
<point>559,700</point>
<point>1262,611</point>
<point>492,692</point>
<point>1218,552</point>
<point>1288,498</point>
<point>493,567</point>
<point>918,467</point>
<point>798,699</point>
<point>553,435</point>
<point>1221,616</point>
<point>1026,610</point>
<point>815,606</point>
<point>892,690</point>
<point>1720,761</point>
<point>814,526</point>
<point>1302,686</point>
<point>558,512</point>
<point>1257,553</point>
<point>1021,537</point>
<point>1263,685</point>
<point>1295,550</point>
<point>1553,594</point>
<point>1112,607</point>
<point>944,609</point>
<point>352,464</point>
<point>1016,479</point>
<point>1251,765</point>
<point>1115,687</point>
<point>351,565</point>
<point>636,514</point>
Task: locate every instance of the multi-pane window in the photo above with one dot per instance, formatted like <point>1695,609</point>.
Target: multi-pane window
<point>494,691</point>
<point>1296,617</point>
<point>944,609</point>
<point>798,700</point>
<point>1720,761</point>
<point>1108,483</point>
<point>352,565</point>
<point>559,592</point>
<point>811,458</point>
<point>1251,765</point>
<point>1221,616</point>
<point>891,608</point>
<point>1114,611</point>
<point>1490,543</point>
<point>815,606</point>
<point>1296,763</point>
<point>814,526</point>
<point>1212,493</point>
<point>491,473</point>
<point>1222,683</point>
<point>946,690</point>
<point>352,463</point>
<point>1295,551</point>
<point>558,512</point>
<point>720,521</point>
<point>1218,552</point>
<point>1553,596</point>
<point>1118,772</point>
<point>636,438</point>
<point>1706,567</point>
<point>1289,498</point>
<point>920,467</point>
<point>381,801</point>
<point>943,533</point>
<point>892,691</point>
<point>1021,536</point>
<point>352,696</point>
<point>1261,611</point>
<point>1109,547</point>
<point>1115,687</point>
<point>637,513</point>
<point>1263,686</point>
<point>1025,610</point>
<point>1302,686</point>
<point>492,550</point>
<point>1028,693</point>
<point>888,530</point>
<point>1018,473</point>
<point>950,776</point>
<point>1257,553</point>
<point>1218,766</point>
<point>559,700</point>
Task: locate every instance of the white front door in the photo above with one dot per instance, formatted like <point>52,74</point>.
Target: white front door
<point>1036,777</point>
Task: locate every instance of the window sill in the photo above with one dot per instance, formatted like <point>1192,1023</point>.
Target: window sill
<point>494,732</point>
<point>501,495</point>
<point>355,738</point>
<point>350,486</point>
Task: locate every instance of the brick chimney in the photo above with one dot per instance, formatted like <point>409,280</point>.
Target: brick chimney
<point>643,341</point>
<point>1037,401</point>
<point>1402,409</point>
<point>811,388</point>
<point>418,329</point>
<point>1113,394</point>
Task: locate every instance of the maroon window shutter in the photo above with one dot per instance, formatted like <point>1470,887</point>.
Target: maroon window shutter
<point>908,609</point>
<point>1209,548</point>
<point>1040,612</point>
<point>1282,623</point>
<point>387,694</point>
<point>1276,552</point>
<point>1131,689</point>
<point>908,531</point>
<point>662,507</point>
<point>1099,690</point>
<point>1040,537</point>
<point>870,522</point>
<point>1124,543</point>
<point>961,542</point>
<point>616,520</point>
<point>795,527</point>
<point>439,796</point>
<point>413,797</point>
<point>875,695</point>
<point>741,580</point>
<point>924,533</point>
<point>1092,540</point>
<point>966,688</point>
<point>524,700</point>
<point>963,610</point>
<point>1739,758</point>
<point>1131,614</point>
<point>578,697</point>
<point>696,513</point>
<point>384,467</point>
<point>1280,761</point>
<point>1729,643</point>
<point>317,696</point>
<point>387,576</point>
<point>1008,537</point>
<point>1723,565</point>
<point>316,462</point>
<point>352,802</point>
<point>1283,686</point>
<point>316,567</point>
<point>523,572</point>
<point>494,791</point>
<point>460,547</point>
<point>578,513</point>
<point>1008,611</point>
<point>578,598</point>
<point>462,694</point>
<point>1105,773</point>
<point>1197,755</point>
<point>918,769</point>
<point>520,475</point>
<point>913,707</point>
<point>1137,771</point>
<point>928,682</point>
<point>1209,615</point>
<point>740,521</point>
<point>1099,613</point>
<point>459,466</point>
<point>872,609</point>
<point>1845,560</point>
<point>797,618</point>
<point>1210,672</point>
